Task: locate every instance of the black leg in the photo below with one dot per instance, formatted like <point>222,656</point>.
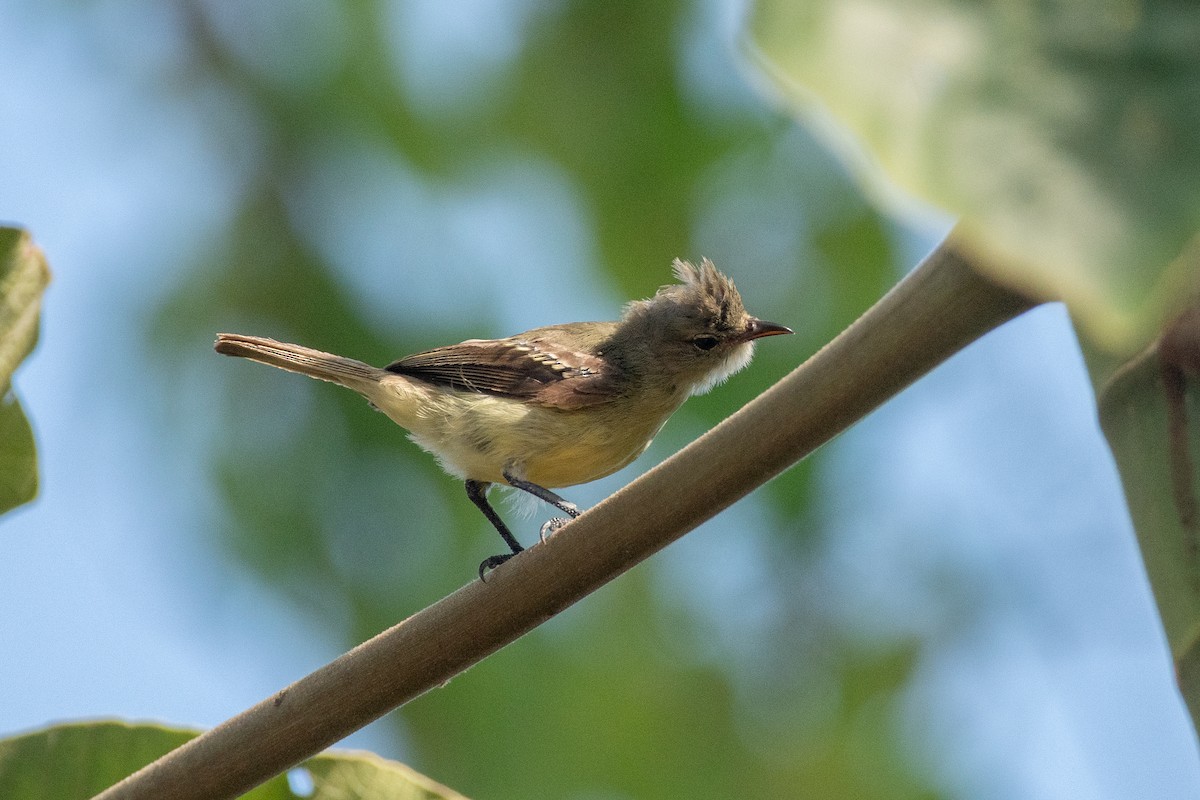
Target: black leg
<point>542,493</point>
<point>477,491</point>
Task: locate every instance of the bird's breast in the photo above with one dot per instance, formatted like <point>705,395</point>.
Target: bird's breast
<point>479,436</point>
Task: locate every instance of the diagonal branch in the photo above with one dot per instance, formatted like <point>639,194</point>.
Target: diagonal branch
<point>942,306</point>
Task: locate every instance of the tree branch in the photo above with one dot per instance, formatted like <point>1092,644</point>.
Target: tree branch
<point>942,306</point>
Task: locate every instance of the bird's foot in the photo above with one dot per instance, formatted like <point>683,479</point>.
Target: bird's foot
<point>551,527</point>
<point>489,564</point>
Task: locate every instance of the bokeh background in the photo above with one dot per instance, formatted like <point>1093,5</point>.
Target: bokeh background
<point>946,602</point>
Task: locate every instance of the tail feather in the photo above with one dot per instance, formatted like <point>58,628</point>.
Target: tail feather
<point>315,364</point>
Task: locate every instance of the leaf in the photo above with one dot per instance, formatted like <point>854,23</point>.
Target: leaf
<point>1062,133</point>
<point>371,776</point>
<point>18,457</point>
<point>79,760</point>
<point>23,277</point>
<point>1150,413</point>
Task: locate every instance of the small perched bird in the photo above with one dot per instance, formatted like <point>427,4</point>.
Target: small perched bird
<point>554,406</point>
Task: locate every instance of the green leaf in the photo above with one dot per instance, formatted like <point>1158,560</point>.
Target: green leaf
<point>23,277</point>
<point>18,458</point>
<point>1063,134</point>
<point>79,760</point>
<point>1150,413</point>
<point>368,775</point>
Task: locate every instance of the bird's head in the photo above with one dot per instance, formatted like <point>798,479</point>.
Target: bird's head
<point>697,331</point>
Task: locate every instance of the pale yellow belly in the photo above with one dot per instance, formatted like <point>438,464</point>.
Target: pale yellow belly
<point>479,436</point>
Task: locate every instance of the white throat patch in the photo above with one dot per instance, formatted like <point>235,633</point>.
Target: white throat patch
<point>738,358</point>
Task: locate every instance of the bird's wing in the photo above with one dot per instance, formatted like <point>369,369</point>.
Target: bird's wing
<point>533,370</point>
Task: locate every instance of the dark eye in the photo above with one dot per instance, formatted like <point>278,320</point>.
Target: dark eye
<point>705,342</point>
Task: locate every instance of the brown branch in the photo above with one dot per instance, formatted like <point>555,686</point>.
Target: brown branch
<point>938,309</point>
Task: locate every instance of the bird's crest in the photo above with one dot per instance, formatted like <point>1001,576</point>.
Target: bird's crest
<point>704,287</point>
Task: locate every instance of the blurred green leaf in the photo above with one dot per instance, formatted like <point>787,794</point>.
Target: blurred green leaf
<point>1063,134</point>
<point>18,456</point>
<point>23,277</point>
<point>1150,413</point>
<point>79,760</point>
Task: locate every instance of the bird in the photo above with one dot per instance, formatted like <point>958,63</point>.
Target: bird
<point>555,406</point>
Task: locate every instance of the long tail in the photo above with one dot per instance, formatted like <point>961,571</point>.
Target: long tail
<point>323,366</point>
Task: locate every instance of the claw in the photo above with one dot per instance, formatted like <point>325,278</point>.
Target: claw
<point>491,563</point>
<point>551,527</point>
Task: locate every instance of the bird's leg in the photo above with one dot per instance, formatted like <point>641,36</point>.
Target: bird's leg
<point>544,494</point>
<point>477,491</point>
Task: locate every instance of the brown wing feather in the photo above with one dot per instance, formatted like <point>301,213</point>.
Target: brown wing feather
<point>533,370</point>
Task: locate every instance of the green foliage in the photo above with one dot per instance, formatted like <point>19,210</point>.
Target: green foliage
<point>77,761</point>
<point>23,277</point>
<point>1063,134</point>
<point>1150,411</point>
<point>18,455</point>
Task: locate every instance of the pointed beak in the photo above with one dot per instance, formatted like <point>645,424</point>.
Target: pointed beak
<point>758,329</point>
